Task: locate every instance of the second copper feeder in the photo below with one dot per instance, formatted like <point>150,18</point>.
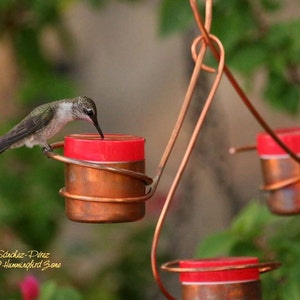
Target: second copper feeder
<point>281,173</point>
<point>104,178</point>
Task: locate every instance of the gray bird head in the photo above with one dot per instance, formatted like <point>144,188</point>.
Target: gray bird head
<point>85,109</point>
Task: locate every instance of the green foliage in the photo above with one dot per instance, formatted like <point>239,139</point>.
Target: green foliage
<point>252,42</point>
<point>174,16</point>
<point>29,195</point>
<point>256,232</point>
<point>51,291</point>
<point>29,192</point>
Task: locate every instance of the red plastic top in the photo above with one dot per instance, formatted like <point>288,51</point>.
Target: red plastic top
<point>205,276</point>
<point>290,136</point>
<point>113,148</point>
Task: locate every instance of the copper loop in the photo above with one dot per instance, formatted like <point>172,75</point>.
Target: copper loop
<point>191,144</point>
<point>281,184</point>
<point>64,193</point>
<point>194,46</point>
<point>264,267</point>
<point>140,176</point>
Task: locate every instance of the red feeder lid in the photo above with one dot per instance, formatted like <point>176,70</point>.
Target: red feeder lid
<point>205,276</point>
<point>113,148</point>
<point>290,136</point>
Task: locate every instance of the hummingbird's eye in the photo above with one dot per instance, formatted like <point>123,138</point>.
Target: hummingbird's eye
<point>89,112</point>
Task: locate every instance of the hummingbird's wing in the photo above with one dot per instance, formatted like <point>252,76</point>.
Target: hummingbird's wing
<point>32,124</point>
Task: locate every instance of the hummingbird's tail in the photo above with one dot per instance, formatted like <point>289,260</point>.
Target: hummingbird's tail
<point>4,145</point>
<point>7,141</point>
<point>3,149</point>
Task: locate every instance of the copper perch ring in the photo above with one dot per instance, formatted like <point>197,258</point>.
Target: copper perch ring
<point>173,266</point>
<point>140,176</point>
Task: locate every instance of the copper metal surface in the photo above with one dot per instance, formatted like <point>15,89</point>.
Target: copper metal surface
<point>221,291</point>
<point>282,179</point>
<point>234,291</point>
<point>103,193</point>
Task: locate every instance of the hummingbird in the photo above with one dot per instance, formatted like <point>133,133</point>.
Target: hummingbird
<point>48,119</point>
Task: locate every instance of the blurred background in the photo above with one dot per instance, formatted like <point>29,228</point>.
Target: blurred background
<point>133,58</point>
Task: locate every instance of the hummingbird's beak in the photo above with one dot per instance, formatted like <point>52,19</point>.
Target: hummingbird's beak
<point>96,124</point>
<point>99,129</point>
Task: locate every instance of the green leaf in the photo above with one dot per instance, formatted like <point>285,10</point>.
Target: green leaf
<point>281,94</point>
<point>174,16</point>
<point>216,244</point>
<point>271,5</point>
<point>248,58</point>
<point>250,223</point>
<point>48,290</point>
<point>67,293</point>
<point>45,88</point>
<point>232,19</point>
<point>29,52</point>
<point>51,291</point>
<point>46,12</point>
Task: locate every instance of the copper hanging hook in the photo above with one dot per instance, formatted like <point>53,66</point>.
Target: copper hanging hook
<point>183,165</point>
<point>199,57</point>
<point>197,41</point>
<point>207,26</point>
<point>204,28</point>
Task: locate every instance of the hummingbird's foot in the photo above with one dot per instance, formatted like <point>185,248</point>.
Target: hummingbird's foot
<point>47,149</point>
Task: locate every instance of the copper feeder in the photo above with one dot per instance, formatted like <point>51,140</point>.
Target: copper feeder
<point>220,278</point>
<point>104,178</point>
<point>281,173</point>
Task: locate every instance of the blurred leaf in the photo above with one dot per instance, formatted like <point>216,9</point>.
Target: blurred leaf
<point>227,17</point>
<point>281,94</point>
<point>46,12</point>
<point>45,88</point>
<point>250,223</point>
<point>30,193</point>
<point>174,16</point>
<point>280,39</point>
<point>29,52</point>
<point>271,5</point>
<point>67,293</point>
<point>51,291</point>
<point>48,290</point>
<point>249,58</point>
<point>217,244</point>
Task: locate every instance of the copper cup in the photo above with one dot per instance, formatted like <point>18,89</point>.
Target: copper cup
<point>281,173</point>
<point>109,185</point>
<point>230,278</point>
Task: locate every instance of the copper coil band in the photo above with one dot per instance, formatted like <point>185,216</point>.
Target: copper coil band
<point>263,267</point>
<point>143,198</point>
<point>136,175</point>
<point>280,184</point>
